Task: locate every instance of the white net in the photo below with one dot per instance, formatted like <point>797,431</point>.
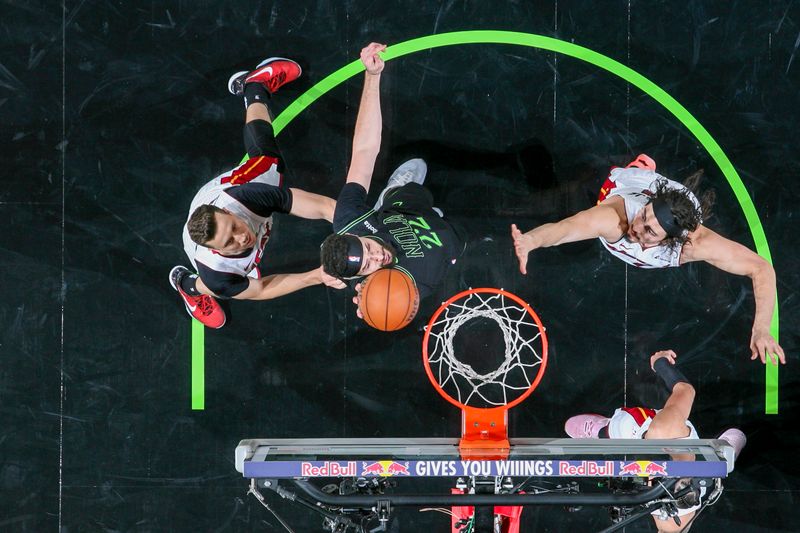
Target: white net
<point>520,361</point>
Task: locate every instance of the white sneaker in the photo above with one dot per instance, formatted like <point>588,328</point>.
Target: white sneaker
<point>412,171</point>
<point>586,426</point>
<point>735,438</point>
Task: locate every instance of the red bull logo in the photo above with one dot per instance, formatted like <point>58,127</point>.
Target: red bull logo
<point>328,469</point>
<point>385,469</point>
<point>655,469</point>
<point>642,469</point>
<point>586,468</point>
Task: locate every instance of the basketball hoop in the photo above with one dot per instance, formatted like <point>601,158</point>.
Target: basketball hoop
<point>485,394</point>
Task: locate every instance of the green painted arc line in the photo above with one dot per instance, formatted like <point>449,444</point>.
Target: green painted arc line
<point>606,63</point>
<point>198,366</point>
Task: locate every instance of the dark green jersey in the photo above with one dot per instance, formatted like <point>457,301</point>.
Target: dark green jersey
<point>425,244</point>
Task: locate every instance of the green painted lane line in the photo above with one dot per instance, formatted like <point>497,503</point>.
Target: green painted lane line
<point>607,64</point>
<point>198,366</point>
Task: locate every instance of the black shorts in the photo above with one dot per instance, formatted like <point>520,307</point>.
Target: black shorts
<point>414,197</point>
<point>259,139</point>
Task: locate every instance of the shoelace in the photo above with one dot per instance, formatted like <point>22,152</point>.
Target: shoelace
<point>205,305</point>
<point>587,427</point>
<point>276,81</point>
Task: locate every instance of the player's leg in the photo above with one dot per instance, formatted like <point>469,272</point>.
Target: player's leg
<point>256,88</point>
<point>200,306</point>
<point>265,165</point>
<point>412,171</point>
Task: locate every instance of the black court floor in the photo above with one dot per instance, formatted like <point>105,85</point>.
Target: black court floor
<point>115,113</point>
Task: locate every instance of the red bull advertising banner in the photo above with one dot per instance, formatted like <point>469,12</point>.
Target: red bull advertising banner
<point>460,468</point>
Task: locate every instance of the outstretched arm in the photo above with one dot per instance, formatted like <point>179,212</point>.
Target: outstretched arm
<point>670,422</point>
<point>278,285</point>
<point>367,136</point>
<point>599,221</point>
<point>310,205</point>
<point>725,254</point>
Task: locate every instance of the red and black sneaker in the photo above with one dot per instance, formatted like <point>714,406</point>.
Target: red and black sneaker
<point>272,73</point>
<point>205,309</point>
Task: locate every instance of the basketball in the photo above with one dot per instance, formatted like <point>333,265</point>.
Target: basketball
<point>389,299</point>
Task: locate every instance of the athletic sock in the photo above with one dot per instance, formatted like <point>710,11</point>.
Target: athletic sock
<point>255,93</point>
<point>188,283</point>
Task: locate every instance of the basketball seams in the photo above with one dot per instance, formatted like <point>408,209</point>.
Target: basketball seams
<point>382,310</point>
<point>387,303</point>
<point>365,310</point>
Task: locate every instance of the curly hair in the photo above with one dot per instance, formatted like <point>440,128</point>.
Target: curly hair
<point>202,225</point>
<point>333,255</point>
<point>688,215</point>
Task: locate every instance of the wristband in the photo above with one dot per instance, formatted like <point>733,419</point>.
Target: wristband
<point>669,373</point>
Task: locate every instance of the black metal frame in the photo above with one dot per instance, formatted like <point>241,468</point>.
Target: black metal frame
<point>339,508</point>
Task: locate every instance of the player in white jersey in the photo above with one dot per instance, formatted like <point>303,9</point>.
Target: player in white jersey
<point>671,422</point>
<point>649,221</point>
<point>230,219</point>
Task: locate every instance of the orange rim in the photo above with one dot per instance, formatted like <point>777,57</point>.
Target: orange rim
<point>464,294</point>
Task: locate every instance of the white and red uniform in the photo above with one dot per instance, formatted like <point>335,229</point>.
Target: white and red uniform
<point>633,422</point>
<point>636,186</point>
<point>252,192</point>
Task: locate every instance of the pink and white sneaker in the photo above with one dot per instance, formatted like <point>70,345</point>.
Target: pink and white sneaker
<point>586,426</point>
<point>735,438</point>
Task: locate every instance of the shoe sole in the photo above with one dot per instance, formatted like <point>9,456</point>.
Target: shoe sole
<point>232,79</point>
<point>379,203</point>
<point>589,414</point>
<point>424,173</point>
<point>171,282</point>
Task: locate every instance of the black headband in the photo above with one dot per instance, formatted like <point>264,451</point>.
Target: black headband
<point>666,219</point>
<point>355,257</point>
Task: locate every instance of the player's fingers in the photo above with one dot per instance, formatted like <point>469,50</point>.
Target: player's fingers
<point>774,352</point>
<point>781,355</point>
<point>753,350</point>
<point>761,352</point>
<point>374,48</point>
<point>523,263</point>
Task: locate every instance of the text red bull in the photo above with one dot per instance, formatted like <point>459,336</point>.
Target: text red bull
<point>328,469</point>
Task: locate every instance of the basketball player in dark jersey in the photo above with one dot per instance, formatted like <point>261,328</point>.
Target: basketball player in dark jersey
<point>403,230</point>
